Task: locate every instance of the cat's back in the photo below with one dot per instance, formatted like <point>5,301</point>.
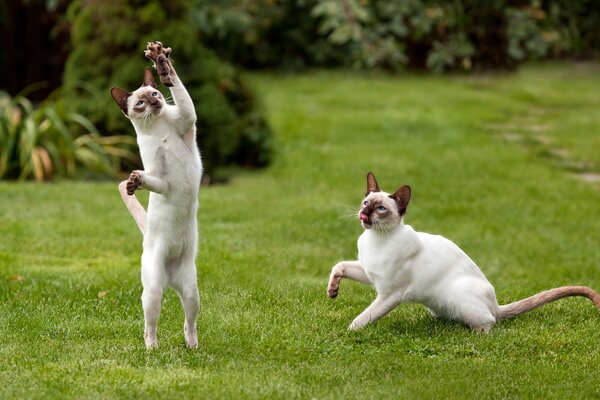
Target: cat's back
<point>443,254</point>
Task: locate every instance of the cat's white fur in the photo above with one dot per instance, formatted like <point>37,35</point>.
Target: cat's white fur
<point>408,266</point>
<point>172,173</point>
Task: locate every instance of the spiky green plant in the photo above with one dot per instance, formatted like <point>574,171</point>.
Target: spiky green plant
<point>39,142</point>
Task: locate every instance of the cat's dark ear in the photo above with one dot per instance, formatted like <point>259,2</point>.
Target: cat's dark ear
<point>149,78</point>
<point>402,197</point>
<point>120,97</point>
<point>372,184</point>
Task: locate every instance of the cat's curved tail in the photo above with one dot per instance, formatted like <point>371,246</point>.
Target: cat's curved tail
<point>542,298</point>
<point>134,207</point>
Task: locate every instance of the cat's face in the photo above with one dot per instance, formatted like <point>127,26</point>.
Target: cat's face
<point>382,211</point>
<point>144,104</point>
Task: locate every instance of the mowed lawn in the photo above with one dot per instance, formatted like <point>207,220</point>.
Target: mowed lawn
<point>492,161</point>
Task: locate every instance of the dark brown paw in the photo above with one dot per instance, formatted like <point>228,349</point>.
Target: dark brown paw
<point>333,292</point>
<point>160,55</point>
<point>334,286</point>
<point>134,182</point>
<point>163,66</point>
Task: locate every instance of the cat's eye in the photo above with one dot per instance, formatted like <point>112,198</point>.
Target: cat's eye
<point>366,202</point>
<point>139,103</point>
<point>381,208</point>
<point>154,94</point>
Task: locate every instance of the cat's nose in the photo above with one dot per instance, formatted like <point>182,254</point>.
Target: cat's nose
<point>364,217</point>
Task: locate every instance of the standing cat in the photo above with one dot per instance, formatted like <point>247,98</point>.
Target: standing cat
<point>408,266</point>
<point>166,135</point>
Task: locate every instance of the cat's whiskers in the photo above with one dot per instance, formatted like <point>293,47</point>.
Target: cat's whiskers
<point>349,214</point>
<point>382,226</point>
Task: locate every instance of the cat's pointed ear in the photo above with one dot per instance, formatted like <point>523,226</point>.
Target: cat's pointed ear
<point>372,184</point>
<point>402,197</point>
<point>120,97</point>
<point>149,78</point>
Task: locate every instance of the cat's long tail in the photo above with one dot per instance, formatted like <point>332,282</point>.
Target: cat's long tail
<point>134,207</point>
<point>538,300</point>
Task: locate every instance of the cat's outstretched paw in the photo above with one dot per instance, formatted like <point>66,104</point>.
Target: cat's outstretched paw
<point>135,181</point>
<point>156,52</point>
<point>333,287</point>
<point>334,284</point>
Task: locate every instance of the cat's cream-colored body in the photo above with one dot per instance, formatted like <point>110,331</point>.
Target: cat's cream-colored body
<point>172,173</point>
<point>408,266</point>
<point>166,135</point>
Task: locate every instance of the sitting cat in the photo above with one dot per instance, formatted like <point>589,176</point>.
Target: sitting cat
<point>166,135</point>
<point>408,266</point>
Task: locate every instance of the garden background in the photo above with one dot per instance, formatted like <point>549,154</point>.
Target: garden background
<point>489,110</point>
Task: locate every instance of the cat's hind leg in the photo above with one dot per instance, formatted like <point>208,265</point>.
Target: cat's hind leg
<point>154,281</point>
<point>186,286</point>
<point>474,304</point>
<point>345,269</point>
<point>478,318</point>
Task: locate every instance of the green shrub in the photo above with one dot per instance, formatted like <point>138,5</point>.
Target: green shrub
<point>266,33</point>
<point>108,40</point>
<point>438,35</point>
<point>42,142</point>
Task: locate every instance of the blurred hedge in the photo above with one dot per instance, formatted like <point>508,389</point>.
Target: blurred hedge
<point>108,39</point>
<point>433,34</point>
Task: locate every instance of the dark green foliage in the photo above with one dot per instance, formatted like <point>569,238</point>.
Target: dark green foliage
<point>108,39</point>
<point>266,33</point>
<point>433,34</point>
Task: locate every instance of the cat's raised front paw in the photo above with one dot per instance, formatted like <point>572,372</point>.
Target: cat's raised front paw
<point>156,52</point>
<point>135,181</point>
<point>334,285</point>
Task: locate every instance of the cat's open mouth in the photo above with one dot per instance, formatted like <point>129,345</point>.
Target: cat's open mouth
<point>365,220</point>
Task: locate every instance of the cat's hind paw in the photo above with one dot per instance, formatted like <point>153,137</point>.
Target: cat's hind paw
<point>156,52</point>
<point>191,337</point>
<point>150,341</point>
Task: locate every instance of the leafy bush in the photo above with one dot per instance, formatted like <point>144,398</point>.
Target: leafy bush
<point>41,143</point>
<point>265,33</point>
<point>107,50</point>
<point>433,34</point>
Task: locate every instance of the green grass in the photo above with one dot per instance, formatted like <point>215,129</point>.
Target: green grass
<point>70,316</point>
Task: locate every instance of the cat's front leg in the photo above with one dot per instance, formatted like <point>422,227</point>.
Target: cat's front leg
<point>345,269</point>
<point>380,307</point>
<point>156,52</point>
<point>145,180</point>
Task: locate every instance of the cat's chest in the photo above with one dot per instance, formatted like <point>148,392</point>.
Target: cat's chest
<point>385,260</point>
<point>165,151</point>
<point>381,259</point>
